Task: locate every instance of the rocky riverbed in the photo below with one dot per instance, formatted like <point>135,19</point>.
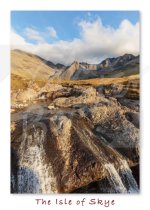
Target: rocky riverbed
<point>70,138</point>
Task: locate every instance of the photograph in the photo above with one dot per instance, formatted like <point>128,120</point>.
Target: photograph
<point>75,102</point>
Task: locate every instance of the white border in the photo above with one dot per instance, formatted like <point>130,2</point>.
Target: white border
<point>123,202</point>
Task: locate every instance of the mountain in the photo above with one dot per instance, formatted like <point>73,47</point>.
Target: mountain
<point>125,65</point>
<point>121,66</point>
<point>117,62</point>
<point>29,66</point>
<point>52,65</point>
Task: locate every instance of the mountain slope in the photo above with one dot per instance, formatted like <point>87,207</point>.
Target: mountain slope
<point>29,66</point>
<point>121,66</point>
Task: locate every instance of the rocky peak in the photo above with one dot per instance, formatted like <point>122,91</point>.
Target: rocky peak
<point>116,62</point>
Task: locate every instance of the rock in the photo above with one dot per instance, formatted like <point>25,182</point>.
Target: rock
<point>51,107</point>
<point>88,97</point>
<point>13,110</point>
<point>130,104</point>
<point>13,126</point>
<point>133,118</point>
<point>120,132</point>
<point>78,138</point>
<point>60,152</point>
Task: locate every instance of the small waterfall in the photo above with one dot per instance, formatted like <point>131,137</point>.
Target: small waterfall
<point>114,179</point>
<point>128,179</point>
<point>116,182</point>
<point>119,182</point>
<point>34,173</point>
<point>27,181</point>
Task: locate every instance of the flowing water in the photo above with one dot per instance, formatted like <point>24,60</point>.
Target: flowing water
<point>114,180</point>
<point>34,174</point>
<point>118,182</point>
<point>128,179</point>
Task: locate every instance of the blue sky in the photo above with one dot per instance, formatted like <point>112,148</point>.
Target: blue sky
<point>65,23</point>
<point>59,32</point>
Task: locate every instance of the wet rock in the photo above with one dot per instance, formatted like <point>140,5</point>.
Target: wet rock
<point>112,124</point>
<point>80,137</point>
<point>88,97</point>
<point>63,151</point>
<point>51,107</point>
<point>133,117</point>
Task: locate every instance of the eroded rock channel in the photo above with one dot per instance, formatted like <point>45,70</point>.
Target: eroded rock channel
<point>75,139</point>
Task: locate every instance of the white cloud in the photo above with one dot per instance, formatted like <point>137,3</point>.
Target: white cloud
<point>52,32</point>
<point>108,41</point>
<point>96,42</point>
<point>32,34</point>
<point>18,42</point>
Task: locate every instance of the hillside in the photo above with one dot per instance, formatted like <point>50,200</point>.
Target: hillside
<point>29,66</point>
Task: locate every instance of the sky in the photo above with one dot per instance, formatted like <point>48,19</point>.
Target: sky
<point>66,36</point>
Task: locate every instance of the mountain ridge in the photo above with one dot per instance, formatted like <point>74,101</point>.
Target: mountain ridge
<point>23,63</point>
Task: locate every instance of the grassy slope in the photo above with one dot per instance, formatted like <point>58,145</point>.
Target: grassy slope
<point>18,82</point>
<point>29,66</point>
<point>97,81</point>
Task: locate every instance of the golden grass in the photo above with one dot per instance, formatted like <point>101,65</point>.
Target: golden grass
<point>18,82</point>
<point>97,81</point>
